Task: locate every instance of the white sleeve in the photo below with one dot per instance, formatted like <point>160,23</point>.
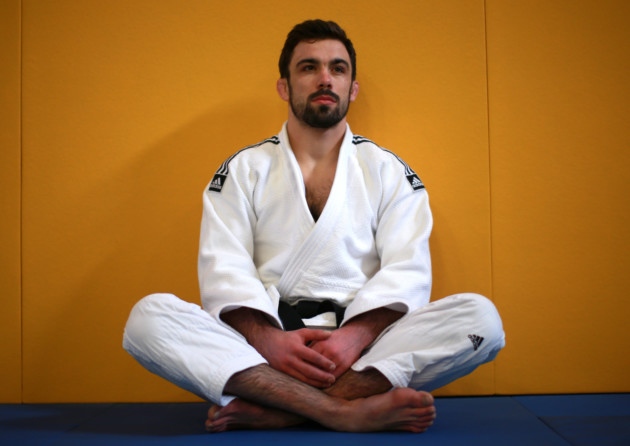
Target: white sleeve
<point>403,282</point>
<point>228,278</point>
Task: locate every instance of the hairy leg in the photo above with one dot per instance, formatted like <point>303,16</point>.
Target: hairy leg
<point>241,414</point>
<point>268,398</point>
<point>352,385</point>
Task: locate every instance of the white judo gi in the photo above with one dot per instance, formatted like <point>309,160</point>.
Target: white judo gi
<point>369,249</point>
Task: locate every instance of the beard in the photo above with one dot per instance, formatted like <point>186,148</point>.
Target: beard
<point>321,116</point>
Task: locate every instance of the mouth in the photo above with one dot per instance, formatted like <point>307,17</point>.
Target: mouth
<point>324,98</point>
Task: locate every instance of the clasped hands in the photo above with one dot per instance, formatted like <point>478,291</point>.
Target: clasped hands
<point>315,357</point>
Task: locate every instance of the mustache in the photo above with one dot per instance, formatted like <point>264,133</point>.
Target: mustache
<point>323,93</point>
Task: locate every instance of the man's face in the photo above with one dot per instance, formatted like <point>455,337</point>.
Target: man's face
<point>320,87</point>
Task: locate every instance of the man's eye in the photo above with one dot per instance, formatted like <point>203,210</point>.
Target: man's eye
<point>339,69</point>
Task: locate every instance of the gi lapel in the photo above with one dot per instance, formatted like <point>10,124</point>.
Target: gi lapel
<point>306,253</point>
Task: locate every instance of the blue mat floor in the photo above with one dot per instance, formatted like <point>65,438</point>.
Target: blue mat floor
<point>501,420</point>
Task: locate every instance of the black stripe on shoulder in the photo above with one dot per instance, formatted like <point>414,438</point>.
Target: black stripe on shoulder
<point>413,178</point>
<point>358,139</point>
<point>223,171</point>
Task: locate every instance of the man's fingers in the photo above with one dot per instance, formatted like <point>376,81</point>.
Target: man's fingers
<point>293,355</point>
<point>310,374</point>
<point>315,368</point>
<point>318,360</point>
<point>310,335</point>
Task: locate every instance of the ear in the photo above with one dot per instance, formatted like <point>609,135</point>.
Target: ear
<point>282,87</point>
<point>354,90</point>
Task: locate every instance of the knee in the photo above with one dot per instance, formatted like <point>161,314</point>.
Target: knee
<point>485,314</point>
<point>143,327</point>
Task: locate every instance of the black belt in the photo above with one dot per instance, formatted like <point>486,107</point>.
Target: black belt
<point>292,315</point>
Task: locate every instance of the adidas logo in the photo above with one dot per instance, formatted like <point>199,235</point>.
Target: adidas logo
<point>217,183</point>
<point>476,341</point>
<point>415,182</point>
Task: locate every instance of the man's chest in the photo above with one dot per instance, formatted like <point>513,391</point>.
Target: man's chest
<point>317,193</point>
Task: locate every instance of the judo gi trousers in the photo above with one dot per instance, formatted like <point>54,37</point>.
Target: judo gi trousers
<point>424,350</point>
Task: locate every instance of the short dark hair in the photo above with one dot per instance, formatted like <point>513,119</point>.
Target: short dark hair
<point>312,31</point>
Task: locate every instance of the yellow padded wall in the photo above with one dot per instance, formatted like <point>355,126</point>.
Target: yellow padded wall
<point>559,101</point>
<point>10,315</point>
<point>130,106</point>
<point>513,113</point>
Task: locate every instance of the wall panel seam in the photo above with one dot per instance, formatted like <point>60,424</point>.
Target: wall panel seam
<point>491,239</point>
<point>21,201</point>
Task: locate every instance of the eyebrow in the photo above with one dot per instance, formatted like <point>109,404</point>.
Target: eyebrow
<point>337,61</point>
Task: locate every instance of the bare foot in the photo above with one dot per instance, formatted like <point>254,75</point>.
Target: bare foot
<point>240,414</point>
<point>402,409</point>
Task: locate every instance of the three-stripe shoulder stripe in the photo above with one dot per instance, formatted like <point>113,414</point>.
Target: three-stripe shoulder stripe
<point>412,177</point>
<point>223,171</point>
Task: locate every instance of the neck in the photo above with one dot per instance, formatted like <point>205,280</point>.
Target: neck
<point>314,144</point>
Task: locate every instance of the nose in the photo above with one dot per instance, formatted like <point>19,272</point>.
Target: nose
<point>325,80</point>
